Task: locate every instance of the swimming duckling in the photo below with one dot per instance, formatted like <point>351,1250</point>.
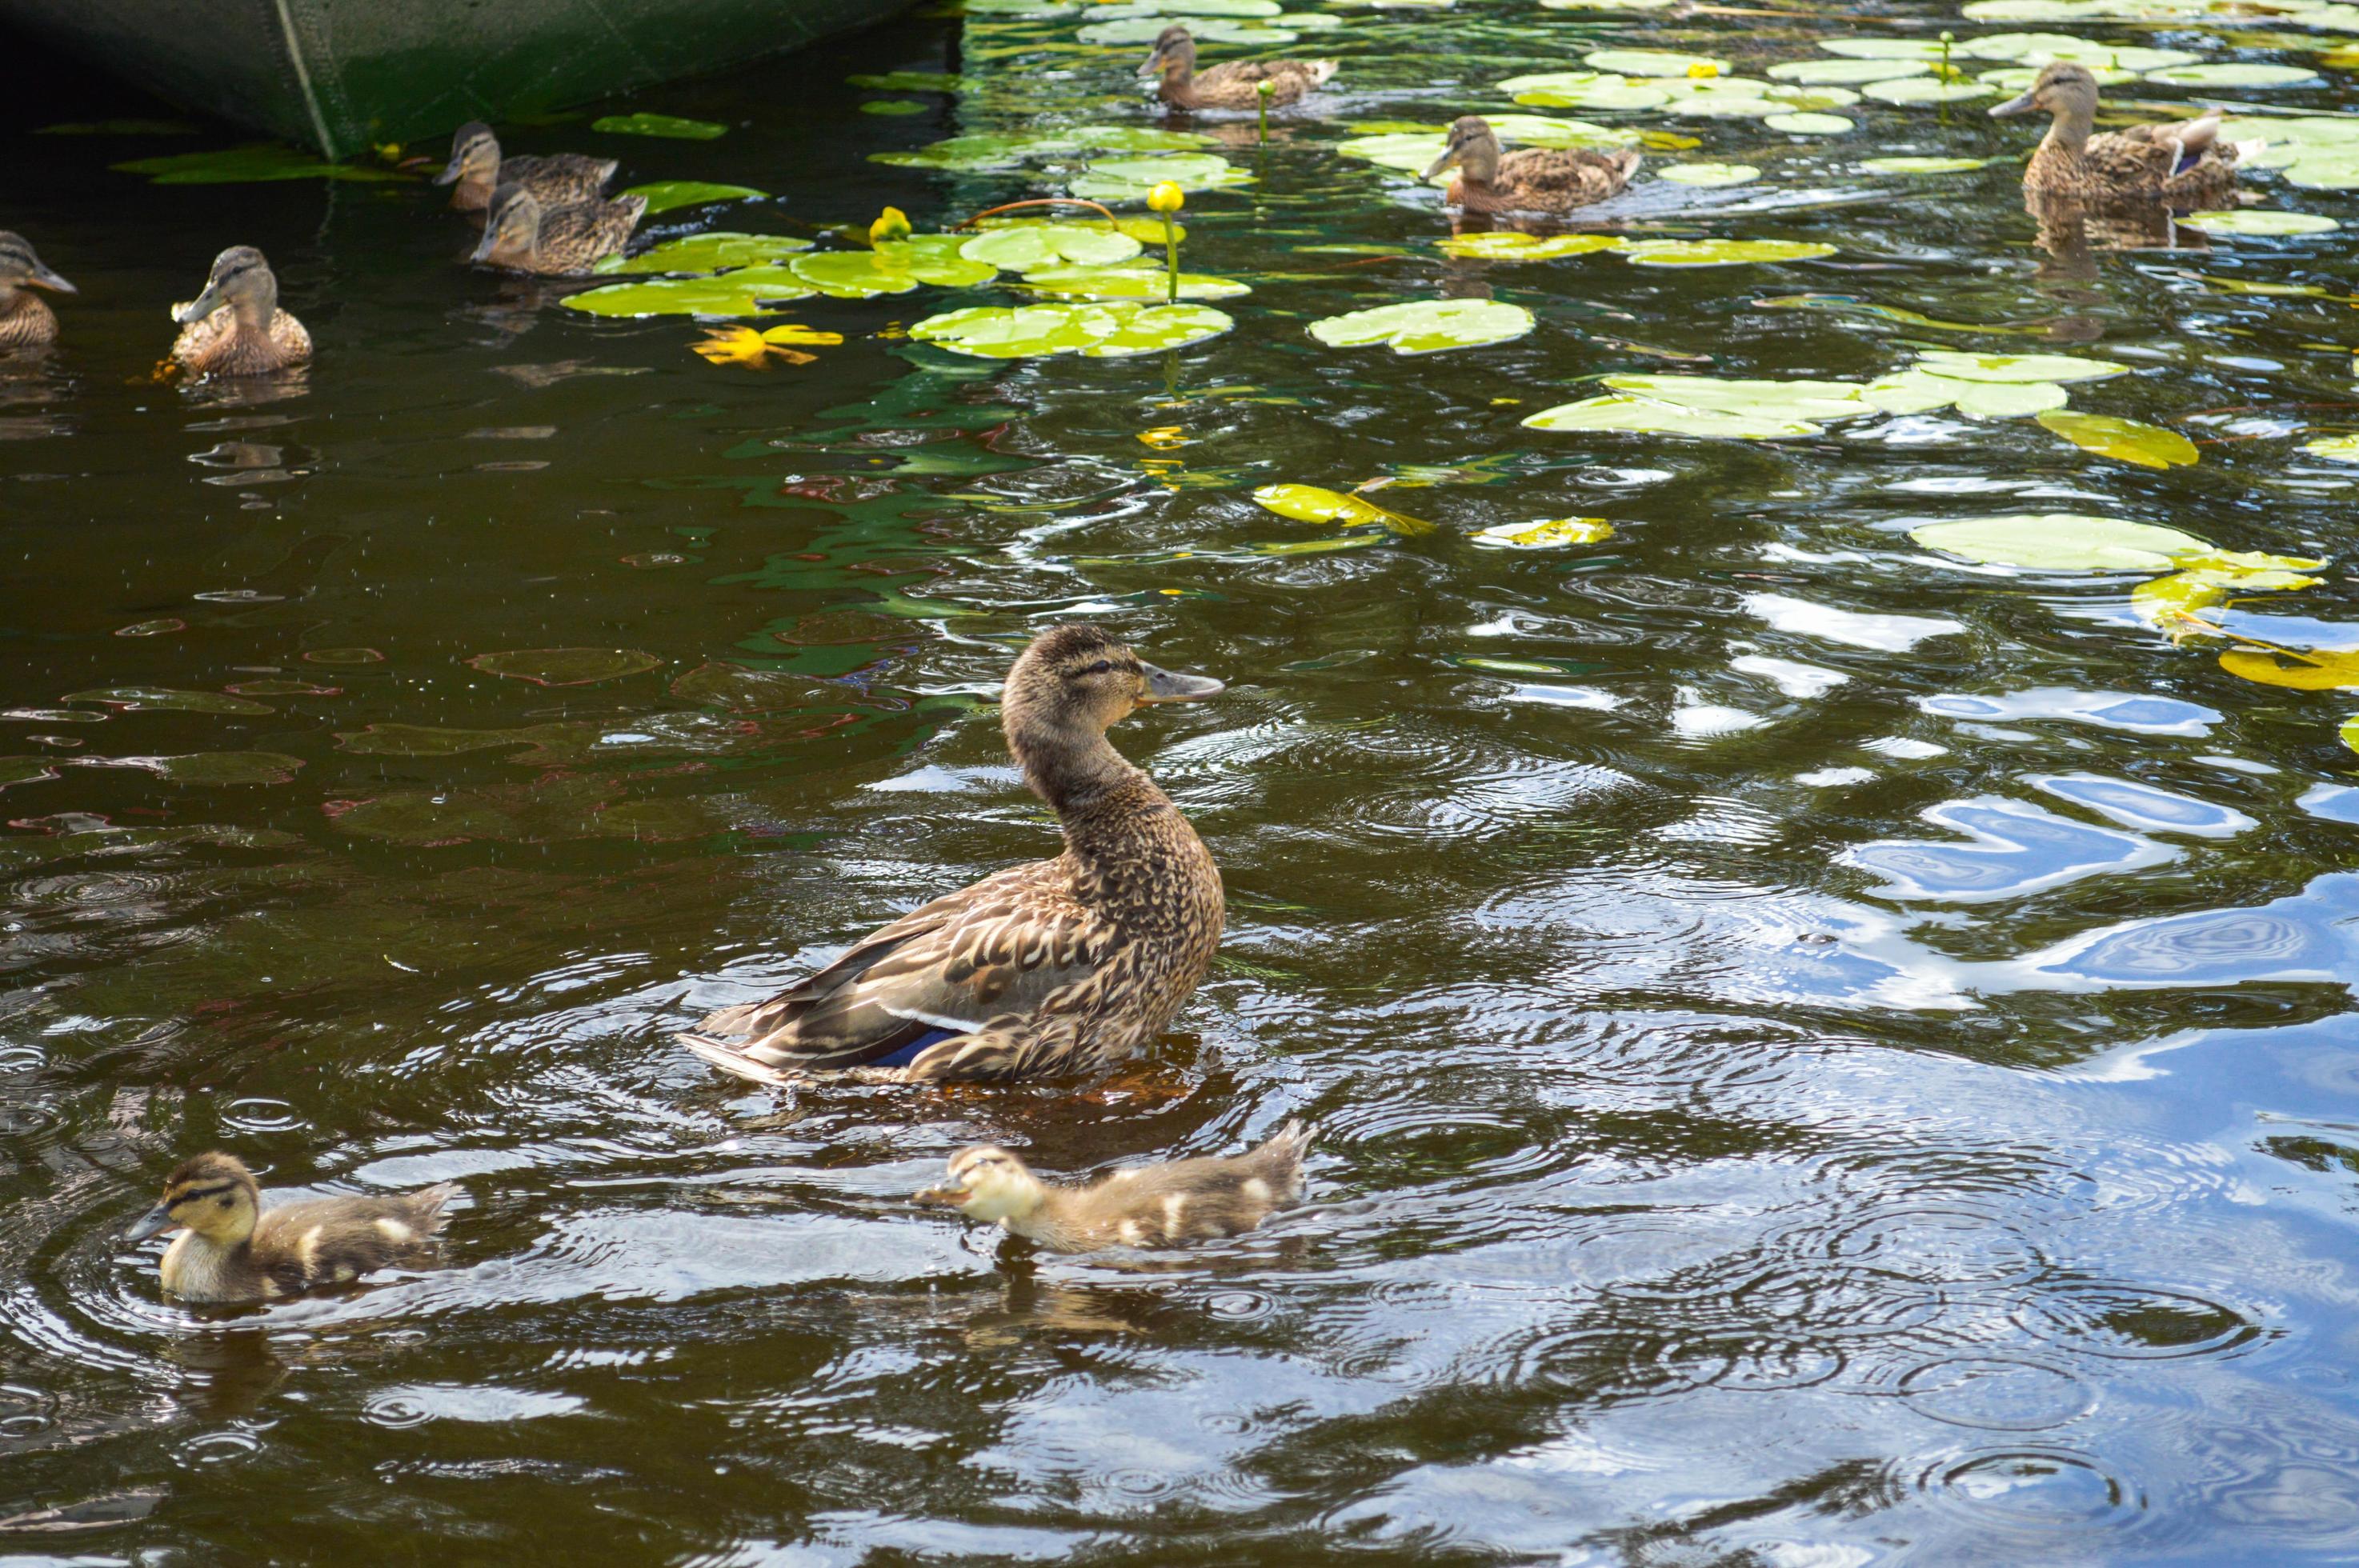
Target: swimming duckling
<point>1530,180</point>
<point>2183,164</point>
<point>1232,85</point>
<point>231,1249</point>
<point>1144,1206</point>
<point>1063,965</point>
<point>558,179</point>
<point>26,320</point>
<point>524,234</point>
<point>234,326</point>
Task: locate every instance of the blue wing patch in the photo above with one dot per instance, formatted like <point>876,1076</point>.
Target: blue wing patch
<point>909,1054</point>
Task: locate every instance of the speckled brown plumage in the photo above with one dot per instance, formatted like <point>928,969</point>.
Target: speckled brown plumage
<point>2180,164</point>
<point>1056,967</point>
<point>234,326</point>
<point>1532,179</point>
<point>477,170</point>
<point>230,1248</point>
<point>1142,1205</point>
<point>1232,85</point>
<point>26,320</point>
<point>523,234</point>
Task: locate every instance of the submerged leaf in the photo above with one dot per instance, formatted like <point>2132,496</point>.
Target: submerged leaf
<point>1425,326</point>
<point>167,699</point>
<point>1309,503</point>
<point>2127,439</point>
<point>1095,332</point>
<point>566,666</point>
<point>670,127</point>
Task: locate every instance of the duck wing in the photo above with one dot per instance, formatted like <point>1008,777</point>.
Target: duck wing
<point>558,178</point>
<point>319,1241</point>
<point>1571,176</point>
<point>2137,156</point>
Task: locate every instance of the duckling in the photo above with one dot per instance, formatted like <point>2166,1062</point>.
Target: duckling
<point>523,234</point>
<point>1232,85</point>
<point>1055,967</point>
<point>26,321</point>
<point>231,1249</point>
<point>558,179</point>
<point>234,326</point>
<point>1530,179</point>
<point>2183,164</point>
<point>1146,1205</point>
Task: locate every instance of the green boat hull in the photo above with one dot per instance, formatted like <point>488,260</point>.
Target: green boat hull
<point>341,75</point>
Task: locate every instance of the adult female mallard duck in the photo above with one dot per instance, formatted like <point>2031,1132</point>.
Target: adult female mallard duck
<point>230,1248</point>
<point>26,321</point>
<point>523,234</point>
<point>2183,164</point>
<point>234,326</point>
<point>1146,1205</point>
<point>1530,179</point>
<point>478,170</point>
<point>1053,966</point>
<point>1232,85</point>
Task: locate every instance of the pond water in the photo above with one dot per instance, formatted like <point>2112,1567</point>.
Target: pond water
<point>1826,1051</point>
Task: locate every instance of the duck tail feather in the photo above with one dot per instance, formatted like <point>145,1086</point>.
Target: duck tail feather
<point>731,1059</point>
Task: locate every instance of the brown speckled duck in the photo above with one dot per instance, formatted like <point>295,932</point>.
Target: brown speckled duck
<point>234,326</point>
<point>1055,967</point>
<point>523,234</point>
<point>1146,1205</point>
<point>1530,179</point>
<point>1232,85</point>
<point>26,320</point>
<point>230,1248</point>
<point>2183,164</point>
<point>558,179</point>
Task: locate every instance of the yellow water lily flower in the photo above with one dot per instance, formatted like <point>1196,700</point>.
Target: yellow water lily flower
<point>1167,196</point>
<point>1703,71</point>
<point>756,350</point>
<point>891,224</point>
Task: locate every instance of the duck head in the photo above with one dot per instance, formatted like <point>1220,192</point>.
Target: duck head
<point>1078,680</point>
<point>2066,91</point>
<point>241,279</point>
<point>474,156</point>
<point>213,1195</point>
<point>1174,54</point>
<point>513,227</point>
<point>19,267</point>
<point>1473,146</point>
<point>988,1184</point>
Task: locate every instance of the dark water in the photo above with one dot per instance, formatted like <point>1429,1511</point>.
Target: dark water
<point>1799,1088</point>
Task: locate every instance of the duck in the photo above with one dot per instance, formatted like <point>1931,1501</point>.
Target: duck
<point>1232,85</point>
<point>524,234</point>
<point>1144,1206</point>
<point>230,1248</point>
<point>1048,968</point>
<point>2183,163</point>
<point>1530,180</point>
<point>26,319</point>
<point>234,326</point>
<point>559,179</point>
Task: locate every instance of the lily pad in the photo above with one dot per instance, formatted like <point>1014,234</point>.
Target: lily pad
<point>566,666</point>
<point>1031,247</point>
<point>1923,164</point>
<point>1848,72</point>
<point>913,81</point>
<point>2128,440</point>
<point>2341,449</point>
<point>2060,541</point>
<point>1722,253</point>
<point>167,699</point>
<point>1711,174</point>
<point>1095,332</point>
<point>1921,391</point>
<point>664,195</point>
<point>2260,221</point>
<point>669,126</point>
<point>740,293</point>
<point>1133,30</point>
<point>1652,62</point>
<point>893,266</point>
<point>2233,74</point>
<point>1645,415</point>
<point>2301,671</point>
<point>1129,180</point>
<point>1546,535</point>
<point>1886,48</point>
<point>1425,326</point>
<point>255,162</point>
<point>1810,125</point>
<point>1508,244</point>
<point>1912,90</point>
<point>204,768</point>
<point>1129,282</point>
<point>1309,503</point>
<point>1011,149</point>
<point>2016,367</point>
<point>894,106</point>
<point>709,253</point>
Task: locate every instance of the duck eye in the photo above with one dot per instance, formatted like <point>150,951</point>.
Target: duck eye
<point>1100,667</point>
<point>225,1200</point>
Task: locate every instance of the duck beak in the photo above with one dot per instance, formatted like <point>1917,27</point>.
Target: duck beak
<point>202,306</point>
<point>450,171</point>
<point>1449,155</point>
<point>941,1197</point>
<point>154,1222</point>
<point>487,245</point>
<point>1164,686</point>
<point>1153,63</point>
<point>2022,105</point>
<point>42,277</point>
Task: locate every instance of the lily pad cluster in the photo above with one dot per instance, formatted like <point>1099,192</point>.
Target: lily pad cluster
<point>1114,330</point>
<point>1642,80</point>
<point>744,274</point>
<point>2317,152</point>
<point>2330,15</point>
<point>1252,23</point>
<point>1504,245</point>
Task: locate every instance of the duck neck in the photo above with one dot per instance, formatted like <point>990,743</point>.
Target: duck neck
<point>198,1266</point>
<point>1479,163</point>
<point>2068,136</point>
<point>1179,88</point>
<point>253,312</point>
<point>1084,780</point>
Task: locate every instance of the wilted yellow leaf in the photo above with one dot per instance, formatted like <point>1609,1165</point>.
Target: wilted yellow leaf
<point>2303,672</point>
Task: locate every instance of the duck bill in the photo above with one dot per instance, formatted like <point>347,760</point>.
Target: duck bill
<point>451,172</point>
<point>42,277</point>
<point>2012,106</point>
<point>154,1222</point>
<point>1166,685</point>
<point>941,1197</point>
<point>1152,64</point>
<point>202,306</point>
<point>1449,157</point>
<point>487,245</point>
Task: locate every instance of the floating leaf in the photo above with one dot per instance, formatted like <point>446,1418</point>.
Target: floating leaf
<point>2341,449</point>
<point>1650,416</point>
<point>1095,332</point>
<point>2016,367</point>
<point>1036,246</point>
<point>709,253</point>
<point>666,126</point>
<point>2232,75</point>
<point>167,699</point>
<point>1721,253</point>
<point>2060,541</point>
<point>1129,180</point>
<point>1008,149</point>
<point>1912,90</point>
<point>204,768</point>
<point>893,106</point>
<point>913,81</point>
<point>2302,672</point>
<point>566,666</point>
<point>1508,244</point>
<point>2126,440</point>
<point>1886,48</point>
<point>1810,125</point>
<point>1145,29</point>
<point>253,163</point>
<point>1546,535</point>
<point>893,266</point>
<point>1709,174</point>
<point>665,195</point>
<point>1848,72</point>
<point>1425,326</point>
<point>1923,164</point>
<point>2041,49</point>
<point>740,293</point>
<point>2260,222</point>
<point>1651,62</point>
<point>1309,503</point>
<point>1129,282</point>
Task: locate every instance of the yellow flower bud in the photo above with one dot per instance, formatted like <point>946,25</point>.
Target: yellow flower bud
<point>1167,196</point>
<point>1266,87</point>
<point>1703,71</point>
<point>891,224</point>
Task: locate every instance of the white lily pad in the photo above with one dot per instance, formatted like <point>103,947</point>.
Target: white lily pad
<point>2261,221</point>
<point>2341,448</point>
<point>1915,89</point>
<point>740,293</point>
<point>2016,367</point>
<point>2234,74</point>
<point>1886,48</point>
<point>1129,180</point>
<point>1722,253</point>
<point>1923,164</point>
<point>709,253</point>
<point>1128,283</point>
<point>1606,93</point>
<point>1848,72</point>
<point>2060,541</point>
<point>1095,332</point>
<point>1645,415</point>
<point>1652,62</point>
<point>1425,326</point>
<point>1030,246</point>
<point>1136,31</point>
<point>1709,174</point>
<point>1810,125</point>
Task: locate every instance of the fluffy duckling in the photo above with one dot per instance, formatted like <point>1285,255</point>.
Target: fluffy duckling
<point>558,179</point>
<point>1146,1205</point>
<point>234,326</point>
<point>1530,179</point>
<point>26,321</point>
<point>525,234</point>
<point>1232,84</point>
<point>2183,164</point>
<point>1054,966</point>
<point>231,1249</point>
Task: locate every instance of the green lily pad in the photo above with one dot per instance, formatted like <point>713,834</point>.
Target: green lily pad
<point>1645,415</point>
<point>1167,10</point>
<point>1923,164</point>
<point>2016,367</point>
<point>1095,332</point>
<point>1709,174</point>
<point>1813,400</point>
<point>740,293</point>
<point>669,126</point>
<point>1311,503</point>
<point>1425,326</point>
<point>913,81</point>
<point>2013,78</point>
<point>167,699</point>
<point>2260,221</point>
<point>2231,74</point>
<point>984,150</point>
<point>2324,171</point>
<point>1508,244</point>
<point>893,266</point>
<point>1810,125</point>
<point>708,253</point>
<point>566,666</point>
<point>1911,90</point>
<point>2061,541</point>
<point>1410,151</point>
<point>1651,62</point>
<point>1134,31</point>
<point>1886,48</point>
<point>1129,282</point>
<point>1550,534</point>
<point>665,195</point>
<point>2128,440</point>
<point>1029,247</point>
<point>2341,449</point>
<point>894,106</point>
<point>1545,131</point>
<point>254,163</point>
<point>1129,180</point>
<point>1721,253</point>
<point>1848,72</point>
<point>1599,92</point>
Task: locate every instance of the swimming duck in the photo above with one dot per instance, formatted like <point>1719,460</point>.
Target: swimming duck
<point>1049,968</point>
<point>2183,163</point>
<point>1232,85</point>
<point>234,326</point>
<point>1530,179</point>
<point>26,321</point>
<point>478,170</point>
<point>523,234</point>
<point>230,1248</point>
<point>1146,1205</point>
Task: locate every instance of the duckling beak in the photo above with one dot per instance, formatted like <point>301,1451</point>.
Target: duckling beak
<point>2022,105</point>
<point>1164,686</point>
<point>42,277</point>
<point>202,306</point>
<point>154,1222</point>
<point>942,1197</point>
